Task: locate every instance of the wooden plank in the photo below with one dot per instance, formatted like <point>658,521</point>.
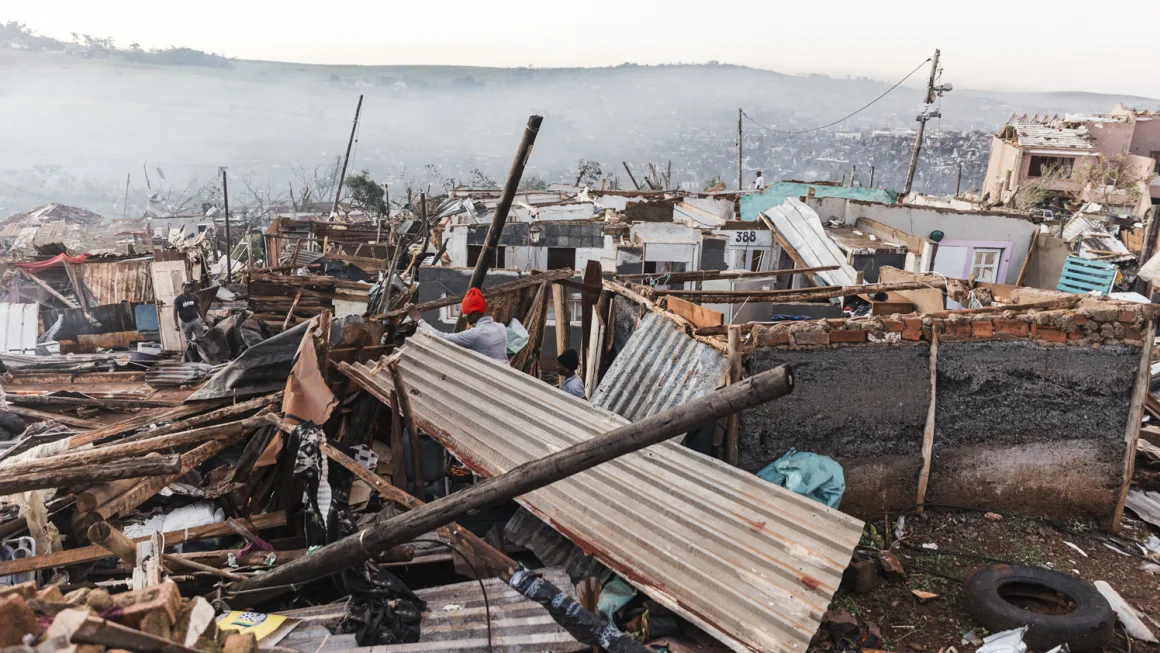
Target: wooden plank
<point>92,553</point>
<point>928,430</point>
<point>145,418</point>
<point>1135,414</point>
<point>44,415</point>
<point>732,441</point>
<point>489,292</point>
<point>1027,259</point>
<point>697,315</point>
<point>563,318</point>
<point>711,275</point>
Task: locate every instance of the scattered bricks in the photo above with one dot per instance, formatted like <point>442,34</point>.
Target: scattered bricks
<point>1128,317</point>
<point>1132,335</point>
<point>811,338</point>
<point>1079,318</point>
<point>1011,327</point>
<point>769,337</point>
<point>1052,334</point>
<point>913,322</point>
<point>835,323</point>
<point>861,576</point>
<point>912,334</point>
<point>893,326</point>
<point>892,566</point>
<point>848,336</point>
<point>982,329</point>
<point>963,330</point>
<point>16,620</point>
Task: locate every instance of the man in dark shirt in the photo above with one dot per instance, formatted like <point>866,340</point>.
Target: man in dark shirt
<point>185,315</point>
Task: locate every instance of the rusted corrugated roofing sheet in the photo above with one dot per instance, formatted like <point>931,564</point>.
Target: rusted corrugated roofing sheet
<point>119,281</point>
<point>751,563</point>
<point>659,368</point>
<point>19,327</point>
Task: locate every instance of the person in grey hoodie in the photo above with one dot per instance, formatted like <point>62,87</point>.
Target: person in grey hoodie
<point>486,336</point>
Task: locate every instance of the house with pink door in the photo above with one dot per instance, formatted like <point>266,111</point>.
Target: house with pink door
<point>1054,152</point>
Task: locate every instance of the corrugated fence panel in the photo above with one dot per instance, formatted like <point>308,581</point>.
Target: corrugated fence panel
<point>119,281</point>
<point>751,563</point>
<point>660,367</point>
<point>19,328</point>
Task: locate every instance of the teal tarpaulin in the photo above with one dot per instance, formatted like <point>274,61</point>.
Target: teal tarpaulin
<point>776,194</point>
<point>817,477</point>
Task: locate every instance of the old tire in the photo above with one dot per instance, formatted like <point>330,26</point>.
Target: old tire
<point>990,593</point>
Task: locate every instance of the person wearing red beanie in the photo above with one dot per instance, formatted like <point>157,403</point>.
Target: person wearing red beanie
<point>486,336</point>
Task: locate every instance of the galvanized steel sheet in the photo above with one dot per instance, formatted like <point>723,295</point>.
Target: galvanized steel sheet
<point>751,563</point>
<point>659,368</point>
<point>119,281</point>
<point>19,327</point>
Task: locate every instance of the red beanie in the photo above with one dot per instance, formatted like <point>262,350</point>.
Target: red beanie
<point>473,302</point>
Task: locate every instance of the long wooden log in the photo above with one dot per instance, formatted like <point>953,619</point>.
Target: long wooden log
<point>98,494</point>
<point>97,402</point>
<point>528,477</point>
<point>143,419</point>
<point>115,452</point>
<point>710,275</point>
<point>41,415</point>
<point>210,417</point>
<point>114,541</point>
<point>489,292</point>
<point>94,552</point>
<point>403,405</point>
<point>24,480</point>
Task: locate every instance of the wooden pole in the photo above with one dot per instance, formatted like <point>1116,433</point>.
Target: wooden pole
<point>629,171</point>
<point>98,494</point>
<point>290,313</point>
<point>24,481</point>
<point>796,295</point>
<point>49,289</point>
<point>1140,392</point>
<point>530,476</point>
<point>732,445</point>
<point>928,430</point>
<point>740,177</point>
<point>345,161</point>
<point>929,99</point>
<point>114,541</point>
<point>229,242</point>
<point>563,319</point>
<point>499,219</point>
<point>871,176</point>
<point>403,405</point>
<point>959,181</point>
<point>398,451</point>
<point>125,204</point>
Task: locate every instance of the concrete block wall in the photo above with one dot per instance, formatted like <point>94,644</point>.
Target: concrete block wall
<point>1031,407</point>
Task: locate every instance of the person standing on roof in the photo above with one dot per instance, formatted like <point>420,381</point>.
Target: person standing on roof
<point>569,361</point>
<point>486,336</point>
<point>759,183</point>
<point>185,314</point>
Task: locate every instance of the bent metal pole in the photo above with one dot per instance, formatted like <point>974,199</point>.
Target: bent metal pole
<point>533,475</point>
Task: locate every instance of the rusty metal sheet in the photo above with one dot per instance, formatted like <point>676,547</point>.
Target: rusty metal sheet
<point>119,281</point>
<point>751,563</point>
<point>659,368</point>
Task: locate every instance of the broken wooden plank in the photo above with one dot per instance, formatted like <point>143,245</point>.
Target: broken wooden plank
<point>41,415</point>
<point>13,482</point>
<point>928,430</point>
<point>144,419</point>
<point>489,292</point>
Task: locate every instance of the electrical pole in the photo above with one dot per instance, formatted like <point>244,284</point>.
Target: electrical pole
<point>226,201</point>
<point>125,207</point>
<point>959,180</point>
<point>922,118</point>
<point>740,178</point>
<point>346,160</point>
<point>853,173</point>
<point>871,176</point>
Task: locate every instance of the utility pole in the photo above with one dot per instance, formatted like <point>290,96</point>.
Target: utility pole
<point>853,173</point>
<point>922,118</point>
<point>346,160</point>
<point>125,206</point>
<point>871,176</point>
<point>226,201</point>
<point>629,171</point>
<point>740,177</point>
<point>959,180</point>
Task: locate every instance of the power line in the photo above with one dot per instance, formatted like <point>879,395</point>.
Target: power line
<point>47,199</point>
<point>867,106</point>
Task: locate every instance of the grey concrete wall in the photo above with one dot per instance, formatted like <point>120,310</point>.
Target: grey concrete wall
<point>1046,262</point>
<point>864,406</point>
<point>1032,428</point>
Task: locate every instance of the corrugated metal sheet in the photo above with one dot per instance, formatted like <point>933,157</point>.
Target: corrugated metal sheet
<point>1146,505</point>
<point>660,367</point>
<point>178,373</point>
<point>751,563</point>
<point>801,227</point>
<point>19,326</point>
<point>455,620</point>
<point>119,281</point>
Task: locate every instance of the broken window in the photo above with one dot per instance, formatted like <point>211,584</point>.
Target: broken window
<point>985,264</point>
<point>755,262</point>
<point>473,252</point>
<point>1041,165</point>
<point>561,258</point>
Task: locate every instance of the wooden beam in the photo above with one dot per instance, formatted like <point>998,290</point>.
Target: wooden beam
<point>489,292</point>
<point>92,553</point>
<point>732,444</point>
<point>794,295</point>
<point>43,415</point>
<point>403,405</point>
<point>144,419</point>
<point>1051,304</point>
<point>52,291</point>
<point>711,275</point>
<point>96,402</point>
<point>928,430</point>
<point>21,480</point>
<point>290,313</point>
<point>1135,414</point>
<point>563,319</point>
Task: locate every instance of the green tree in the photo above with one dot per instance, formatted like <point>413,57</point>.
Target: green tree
<point>366,193</point>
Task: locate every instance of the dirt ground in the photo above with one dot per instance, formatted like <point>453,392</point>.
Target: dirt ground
<point>906,624</point>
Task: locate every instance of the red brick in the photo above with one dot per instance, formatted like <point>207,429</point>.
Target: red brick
<point>1052,334</point>
<point>1011,327</point>
<point>982,329</point>
<point>811,338</point>
<point>835,323</point>
<point>893,326</point>
<point>768,338</point>
<point>1080,318</point>
<point>1074,335</point>
<point>1128,316</point>
<point>16,620</point>
<point>848,336</point>
<point>1132,334</point>
<point>962,330</point>
<point>913,322</point>
<point>912,334</point>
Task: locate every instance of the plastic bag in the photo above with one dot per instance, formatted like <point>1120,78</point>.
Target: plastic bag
<point>517,337</point>
<point>809,474</point>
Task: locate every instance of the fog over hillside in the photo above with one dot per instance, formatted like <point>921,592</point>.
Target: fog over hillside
<point>73,127</point>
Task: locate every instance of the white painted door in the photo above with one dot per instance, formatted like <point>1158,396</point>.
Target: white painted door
<point>167,279</point>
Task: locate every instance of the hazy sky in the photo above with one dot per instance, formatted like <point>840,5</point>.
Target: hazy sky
<point>990,44</point>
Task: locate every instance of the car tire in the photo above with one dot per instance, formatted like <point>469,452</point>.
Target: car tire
<point>1088,626</point>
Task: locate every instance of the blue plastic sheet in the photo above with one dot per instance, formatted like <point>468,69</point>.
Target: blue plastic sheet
<point>809,474</point>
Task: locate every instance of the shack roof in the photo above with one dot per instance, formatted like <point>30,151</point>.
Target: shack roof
<point>776,195</point>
